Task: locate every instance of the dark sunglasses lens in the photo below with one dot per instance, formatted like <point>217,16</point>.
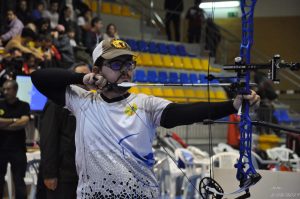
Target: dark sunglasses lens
<point>116,65</point>
<point>128,65</point>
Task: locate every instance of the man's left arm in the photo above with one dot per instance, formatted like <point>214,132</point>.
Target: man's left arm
<point>22,121</point>
<point>12,32</point>
<point>19,123</point>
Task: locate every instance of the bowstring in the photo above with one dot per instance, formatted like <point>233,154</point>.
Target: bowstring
<point>210,139</point>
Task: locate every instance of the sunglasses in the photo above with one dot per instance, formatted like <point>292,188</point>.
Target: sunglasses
<point>118,65</point>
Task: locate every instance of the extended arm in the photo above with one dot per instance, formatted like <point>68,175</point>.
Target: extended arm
<point>185,114</point>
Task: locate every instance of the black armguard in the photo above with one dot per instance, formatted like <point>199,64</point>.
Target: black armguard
<point>185,114</point>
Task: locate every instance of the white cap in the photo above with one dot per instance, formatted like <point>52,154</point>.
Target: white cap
<point>111,48</point>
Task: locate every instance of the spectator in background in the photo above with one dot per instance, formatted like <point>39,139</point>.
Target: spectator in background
<point>84,22</point>
<point>173,11</point>
<point>44,26</point>
<point>111,32</point>
<point>24,43</point>
<point>267,92</point>
<point>57,136</point>
<point>15,27</point>
<point>80,53</point>
<point>37,13</point>
<point>52,14</point>
<point>52,57</point>
<point>62,43</point>
<point>14,116</point>
<point>66,19</point>
<point>23,12</point>
<point>213,37</point>
<point>94,35</point>
<point>195,17</point>
<point>30,64</point>
<point>12,65</point>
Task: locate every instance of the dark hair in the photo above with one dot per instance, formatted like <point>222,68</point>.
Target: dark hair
<point>27,32</point>
<point>109,25</point>
<point>75,65</point>
<point>99,62</point>
<point>11,9</point>
<point>14,84</point>
<point>95,20</point>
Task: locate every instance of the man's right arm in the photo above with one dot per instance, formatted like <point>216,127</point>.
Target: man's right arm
<point>53,82</point>
<point>4,122</point>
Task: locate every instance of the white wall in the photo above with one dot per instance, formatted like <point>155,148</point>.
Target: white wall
<point>271,8</point>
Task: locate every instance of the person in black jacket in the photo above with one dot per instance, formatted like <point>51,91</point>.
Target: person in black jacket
<point>173,10</point>
<point>57,145</point>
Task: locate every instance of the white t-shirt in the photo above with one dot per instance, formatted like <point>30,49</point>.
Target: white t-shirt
<point>114,154</point>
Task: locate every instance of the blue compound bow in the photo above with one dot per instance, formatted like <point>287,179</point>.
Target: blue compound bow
<point>246,173</point>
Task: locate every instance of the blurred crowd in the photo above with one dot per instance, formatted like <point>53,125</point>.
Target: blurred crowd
<point>48,35</point>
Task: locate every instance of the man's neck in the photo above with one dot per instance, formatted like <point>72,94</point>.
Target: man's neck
<point>12,101</point>
<point>113,94</point>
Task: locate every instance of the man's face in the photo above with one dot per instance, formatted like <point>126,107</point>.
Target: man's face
<point>10,15</point>
<point>40,7</point>
<point>82,69</point>
<point>118,76</point>
<point>54,7</point>
<point>99,26</point>
<point>9,91</point>
<point>68,13</point>
<point>31,61</point>
<point>23,5</point>
<point>111,30</point>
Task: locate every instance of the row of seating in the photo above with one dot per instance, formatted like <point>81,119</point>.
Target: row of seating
<point>282,116</point>
<point>181,95</point>
<point>111,8</point>
<point>153,76</point>
<point>161,48</point>
<point>174,62</point>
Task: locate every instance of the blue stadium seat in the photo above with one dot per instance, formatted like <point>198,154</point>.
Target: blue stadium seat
<point>152,47</point>
<point>152,76</point>
<point>173,78</point>
<point>215,81</point>
<point>133,44</point>
<point>282,116</point>
<point>181,50</point>
<point>163,77</point>
<point>172,49</point>
<point>184,79</point>
<point>142,46</point>
<point>193,78</point>
<point>139,76</point>
<point>202,79</point>
<point>163,48</point>
<point>285,116</point>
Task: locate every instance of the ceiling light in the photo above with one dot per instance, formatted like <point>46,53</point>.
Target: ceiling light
<point>220,4</point>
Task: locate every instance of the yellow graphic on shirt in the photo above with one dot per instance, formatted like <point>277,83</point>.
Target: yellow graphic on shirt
<point>2,112</point>
<point>130,110</point>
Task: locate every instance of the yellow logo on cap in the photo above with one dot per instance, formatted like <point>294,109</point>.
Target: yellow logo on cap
<point>2,112</point>
<point>117,43</point>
